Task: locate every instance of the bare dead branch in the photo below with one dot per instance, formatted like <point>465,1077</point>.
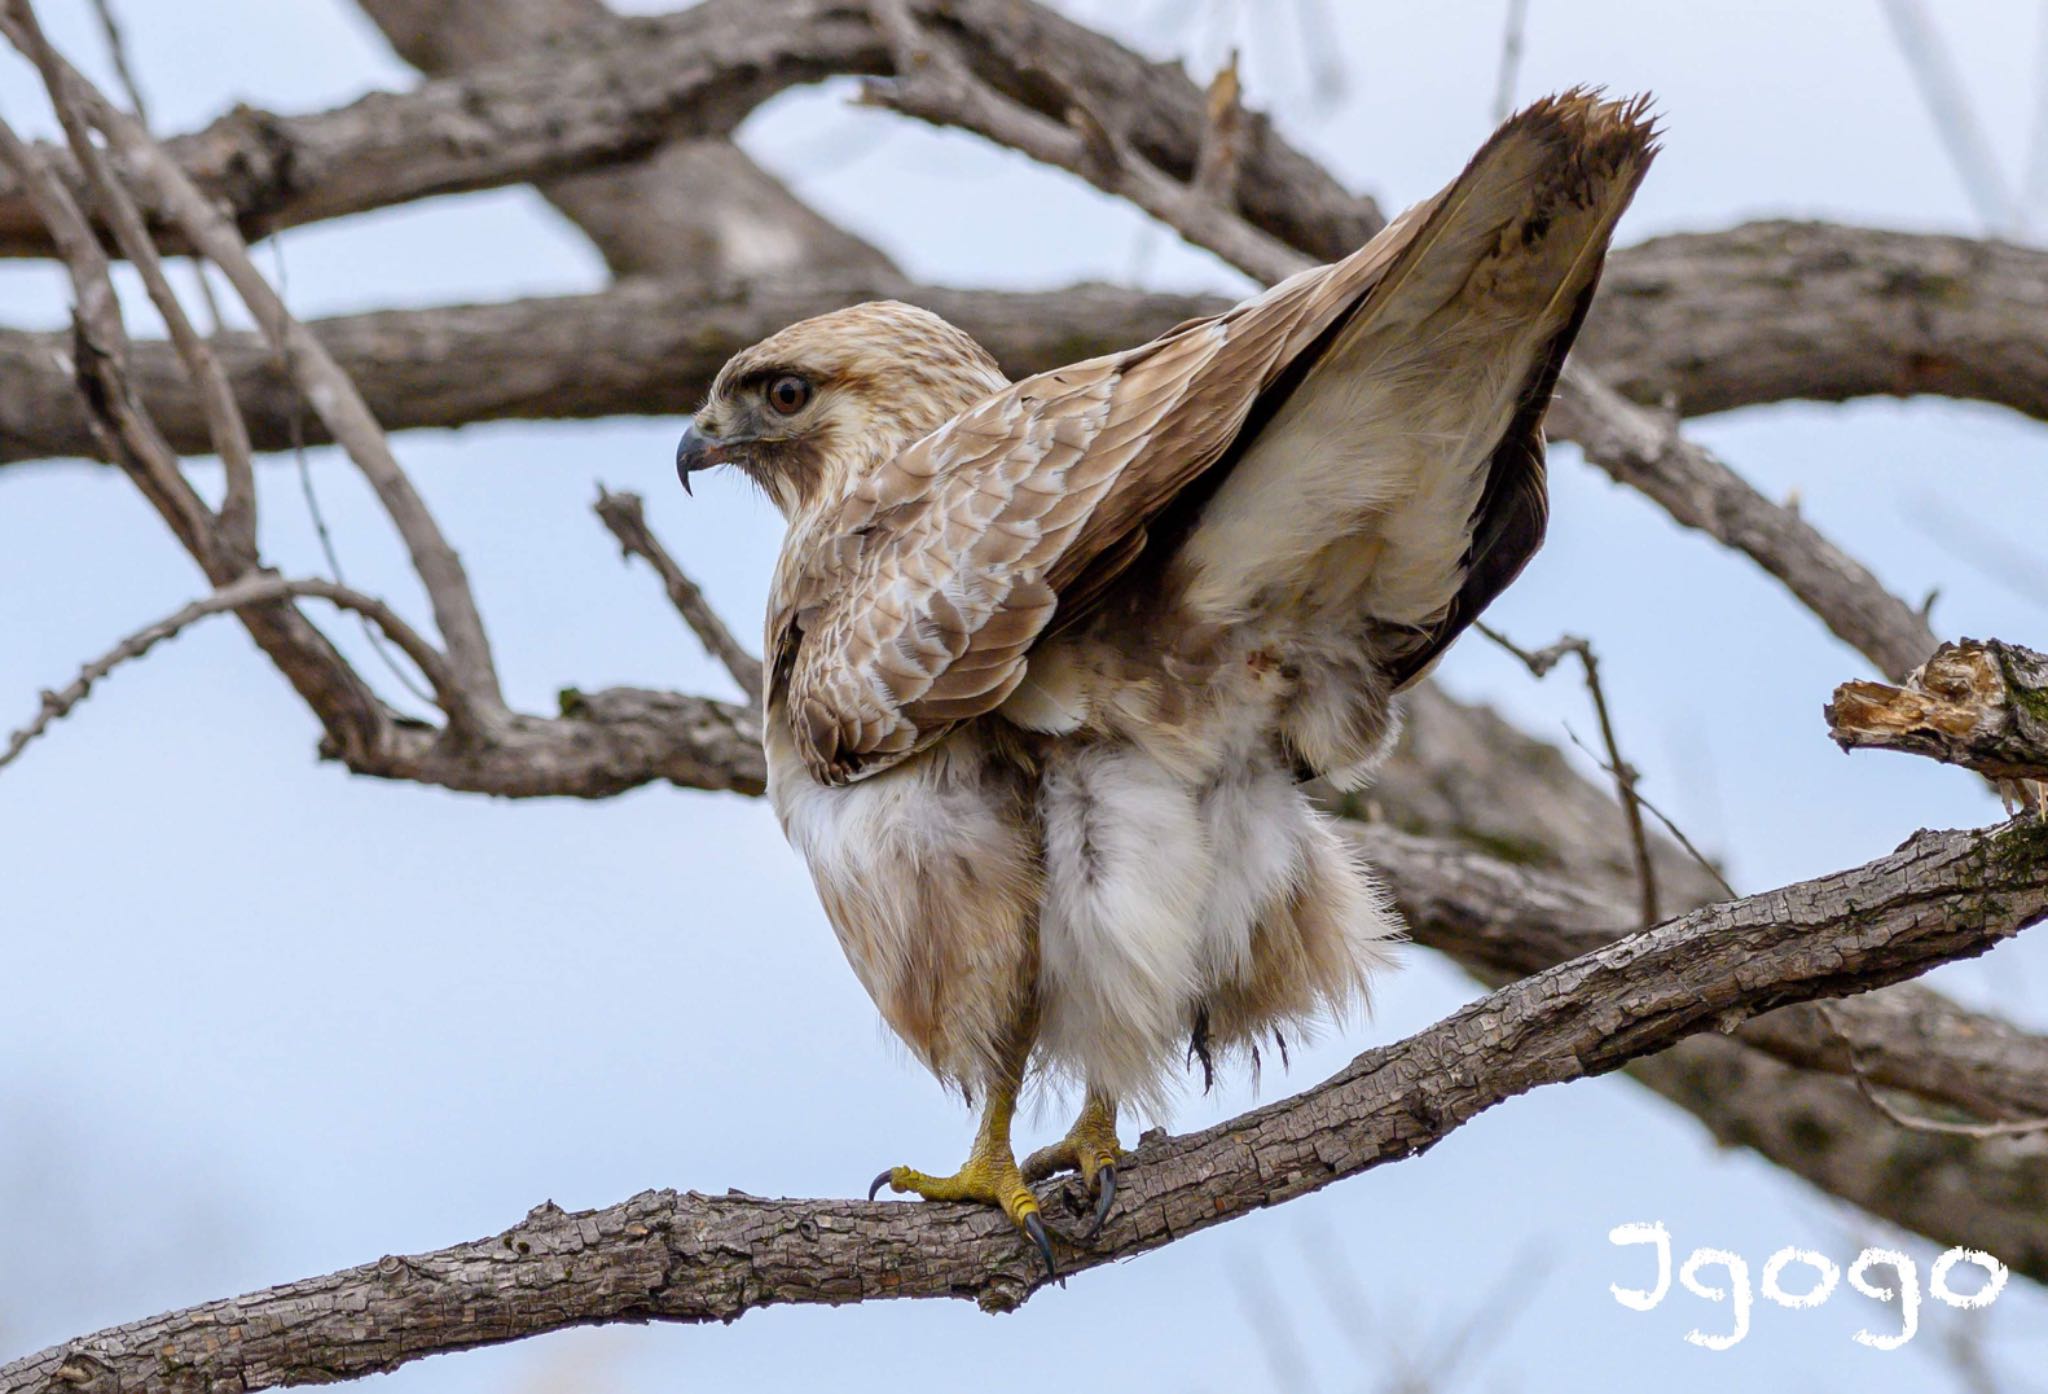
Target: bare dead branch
<point>1643,449</point>
<point>626,516</point>
<point>329,390</point>
<point>1700,859</point>
<point>1980,704</point>
<point>691,208</point>
<point>1776,311</point>
<point>1762,313</point>
<point>225,429</point>
<point>2018,1127</point>
<point>613,92</point>
<point>640,347</point>
<point>693,1257</point>
<point>1624,774</point>
<point>255,588</point>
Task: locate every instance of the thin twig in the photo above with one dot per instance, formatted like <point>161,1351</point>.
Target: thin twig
<point>117,53</point>
<point>1539,663</point>
<point>1222,151</point>
<point>2019,1127</point>
<point>225,428</point>
<point>625,515</point>
<point>304,467</point>
<point>333,395</point>
<point>1660,815</point>
<point>254,589</point>
<point>1510,60</point>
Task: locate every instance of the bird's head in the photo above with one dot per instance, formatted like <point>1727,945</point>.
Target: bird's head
<point>808,410</point>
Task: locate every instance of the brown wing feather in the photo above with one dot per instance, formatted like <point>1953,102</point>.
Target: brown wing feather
<point>915,604</point>
<point>913,607</point>
<point>1513,514</point>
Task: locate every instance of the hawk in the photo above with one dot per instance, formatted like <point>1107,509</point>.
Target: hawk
<point>1048,661</point>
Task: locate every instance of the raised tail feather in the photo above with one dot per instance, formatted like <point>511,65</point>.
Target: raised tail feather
<point>1400,482</point>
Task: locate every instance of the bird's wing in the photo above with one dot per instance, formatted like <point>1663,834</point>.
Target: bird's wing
<point>1403,473</point>
<point>914,604</point>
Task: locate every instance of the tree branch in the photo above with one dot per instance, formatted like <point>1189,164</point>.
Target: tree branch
<point>626,516</point>
<point>691,208</point>
<point>254,588</point>
<point>639,348</point>
<point>693,1257</point>
<point>1979,704</point>
<point>1767,312</point>
<point>1642,448</point>
<point>613,92</point>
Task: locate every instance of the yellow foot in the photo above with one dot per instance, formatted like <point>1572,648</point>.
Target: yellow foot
<point>1090,1148</point>
<point>988,1179</point>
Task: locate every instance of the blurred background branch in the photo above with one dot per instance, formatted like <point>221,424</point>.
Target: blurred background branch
<point>1503,855</point>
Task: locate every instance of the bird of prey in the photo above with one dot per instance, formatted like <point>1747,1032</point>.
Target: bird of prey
<point>1048,661</point>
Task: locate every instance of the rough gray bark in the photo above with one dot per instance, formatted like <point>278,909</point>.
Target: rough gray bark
<point>639,348</point>
<point>615,92</point>
<point>1643,449</point>
<point>693,1257</point>
<point>1786,311</point>
<point>691,208</point>
<point>1774,311</point>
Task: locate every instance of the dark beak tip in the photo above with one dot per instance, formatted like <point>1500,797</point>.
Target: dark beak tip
<point>696,451</point>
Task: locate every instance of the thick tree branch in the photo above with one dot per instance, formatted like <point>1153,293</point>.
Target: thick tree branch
<point>1643,448</point>
<point>693,1257</point>
<point>691,208</point>
<point>614,92</point>
<point>640,348</point>
<point>1777,311</point>
<point>1767,312</point>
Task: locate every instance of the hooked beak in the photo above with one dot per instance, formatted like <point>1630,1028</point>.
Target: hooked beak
<point>699,451</point>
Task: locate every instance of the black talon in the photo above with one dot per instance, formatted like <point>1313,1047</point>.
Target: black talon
<point>1035,1227</point>
<point>880,1181</point>
<point>1106,1179</point>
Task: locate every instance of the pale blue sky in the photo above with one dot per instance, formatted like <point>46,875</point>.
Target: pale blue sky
<point>260,1020</point>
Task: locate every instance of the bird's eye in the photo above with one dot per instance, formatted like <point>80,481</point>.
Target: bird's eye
<point>788,394</point>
